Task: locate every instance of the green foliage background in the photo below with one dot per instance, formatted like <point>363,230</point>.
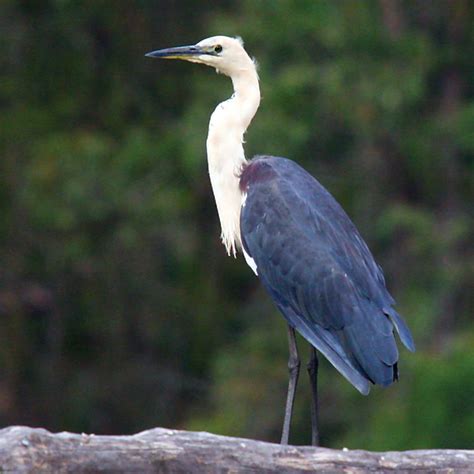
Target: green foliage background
<point>119,309</point>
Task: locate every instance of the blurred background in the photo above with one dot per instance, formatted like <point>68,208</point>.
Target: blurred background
<point>119,309</point>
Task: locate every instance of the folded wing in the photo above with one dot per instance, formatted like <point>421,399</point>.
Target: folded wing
<point>319,271</point>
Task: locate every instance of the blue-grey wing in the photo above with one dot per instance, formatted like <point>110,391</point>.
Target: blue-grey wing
<point>319,271</point>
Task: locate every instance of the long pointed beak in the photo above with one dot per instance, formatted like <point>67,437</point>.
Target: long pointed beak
<point>181,52</point>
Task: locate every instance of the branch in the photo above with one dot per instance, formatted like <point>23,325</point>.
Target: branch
<point>28,450</point>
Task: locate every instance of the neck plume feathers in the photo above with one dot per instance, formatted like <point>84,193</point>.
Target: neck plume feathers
<point>225,151</point>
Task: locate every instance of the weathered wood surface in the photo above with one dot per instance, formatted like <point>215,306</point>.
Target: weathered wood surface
<point>35,450</point>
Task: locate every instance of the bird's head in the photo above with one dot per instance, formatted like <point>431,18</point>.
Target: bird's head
<point>226,55</point>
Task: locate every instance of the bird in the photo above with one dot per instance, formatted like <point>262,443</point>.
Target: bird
<point>298,240</point>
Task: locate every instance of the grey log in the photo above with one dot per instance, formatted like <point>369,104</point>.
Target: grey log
<point>36,450</point>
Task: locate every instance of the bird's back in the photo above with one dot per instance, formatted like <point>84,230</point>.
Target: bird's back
<point>317,268</point>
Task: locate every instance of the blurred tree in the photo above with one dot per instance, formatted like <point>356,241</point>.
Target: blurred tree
<point>118,308</point>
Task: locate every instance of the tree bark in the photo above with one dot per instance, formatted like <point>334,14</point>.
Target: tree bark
<point>28,450</point>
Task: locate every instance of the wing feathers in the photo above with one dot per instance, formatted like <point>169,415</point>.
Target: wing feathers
<point>402,328</point>
<point>320,272</point>
<point>330,347</point>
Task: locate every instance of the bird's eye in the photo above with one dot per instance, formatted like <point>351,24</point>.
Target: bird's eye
<point>218,49</point>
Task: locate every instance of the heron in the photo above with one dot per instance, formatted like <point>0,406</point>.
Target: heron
<point>298,240</point>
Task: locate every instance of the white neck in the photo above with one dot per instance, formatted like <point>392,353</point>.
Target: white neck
<point>225,152</point>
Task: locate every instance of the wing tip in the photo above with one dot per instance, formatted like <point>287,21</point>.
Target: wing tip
<point>339,361</point>
<point>364,388</point>
<point>402,329</point>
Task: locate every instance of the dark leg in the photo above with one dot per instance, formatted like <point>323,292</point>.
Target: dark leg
<point>294,370</point>
<point>313,380</point>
